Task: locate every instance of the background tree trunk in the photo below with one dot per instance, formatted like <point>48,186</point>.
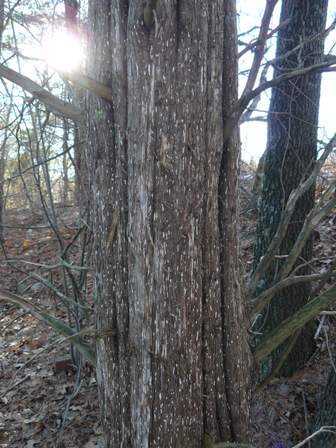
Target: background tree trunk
<point>4,139</point>
<point>290,155</point>
<point>77,96</point>
<point>165,219</point>
<point>326,415</point>
<point>65,186</point>
<point>2,20</point>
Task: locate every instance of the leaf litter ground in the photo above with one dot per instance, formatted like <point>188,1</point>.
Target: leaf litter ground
<point>38,378</point>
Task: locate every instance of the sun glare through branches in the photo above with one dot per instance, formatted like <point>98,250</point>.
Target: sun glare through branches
<point>63,50</point>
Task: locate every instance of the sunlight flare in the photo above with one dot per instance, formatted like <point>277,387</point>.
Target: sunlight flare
<point>63,51</point>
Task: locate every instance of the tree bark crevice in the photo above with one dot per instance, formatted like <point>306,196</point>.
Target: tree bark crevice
<point>168,377</point>
<point>290,158</point>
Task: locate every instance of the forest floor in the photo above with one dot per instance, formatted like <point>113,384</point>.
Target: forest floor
<point>45,402</point>
<point>38,380</point>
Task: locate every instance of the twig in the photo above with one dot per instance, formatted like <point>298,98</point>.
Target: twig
<point>259,49</point>
<point>36,355</point>
<point>329,351</point>
<point>306,417</point>
<point>294,323</point>
<point>245,99</point>
<point>280,362</point>
<point>320,326</point>
<point>269,35</point>
<point>76,390</point>
<point>325,33</point>
<point>22,380</point>
<point>258,304</point>
<point>331,429</point>
<point>58,325</point>
<point>49,159</point>
<point>285,218</point>
<point>316,68</point>
<point>249,111</point>
<point>323,281</point>
<point>58,106</point>
<point>87,83</point>
<point>48,266</point>
<point>312,220</point>
<point>13,320</point>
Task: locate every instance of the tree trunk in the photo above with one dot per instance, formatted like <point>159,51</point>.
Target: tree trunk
<point>2,20</point>
<point>3,144</point>
<point>290,155</point>
<point>65,189</point>
<point>326,415</point>
<point>165,196</point>
<point>77,96</point>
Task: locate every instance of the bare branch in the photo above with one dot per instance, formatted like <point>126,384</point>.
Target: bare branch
<point>57,324</point>
<point>244,100</point>
<point>331,429</point>
<point>267,259</point>
<point>280,362</point>
<point>259,49</point>
<point>87,83</point>
<point>312,220</point>
<point>55,104</point>
<point>269,35</point>
<point>258,304</point>
<point>282,281</point>
<point>289,326</point>
<point>247,116</point>
<point>326,276</point>
<point>286,55</point>
<point>247,119</point>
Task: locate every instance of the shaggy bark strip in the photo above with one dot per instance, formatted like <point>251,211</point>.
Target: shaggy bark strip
<point>175,368</point>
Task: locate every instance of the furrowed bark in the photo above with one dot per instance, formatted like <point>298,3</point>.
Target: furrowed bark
<point>290,159</point>
<point>172,372</point>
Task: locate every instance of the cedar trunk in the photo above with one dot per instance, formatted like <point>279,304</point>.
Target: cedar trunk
<point>164,186</point>
<point>290,155</point>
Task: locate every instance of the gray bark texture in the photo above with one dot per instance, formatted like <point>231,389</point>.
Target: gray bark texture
<point>3,144</point>
<point>326,415</point>
<point>290,155</point>
<point>2,20</point>
<point>164,188</point>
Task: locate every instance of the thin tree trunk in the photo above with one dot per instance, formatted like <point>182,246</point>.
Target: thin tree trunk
<point>72,21</point>
<point>2,21</point>
<point>3,144</point>
<point>290,156</point>
<point>65,192</point>
<point>166,246</point>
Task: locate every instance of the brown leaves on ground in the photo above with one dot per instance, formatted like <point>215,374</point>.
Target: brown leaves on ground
<point>37,377</point>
